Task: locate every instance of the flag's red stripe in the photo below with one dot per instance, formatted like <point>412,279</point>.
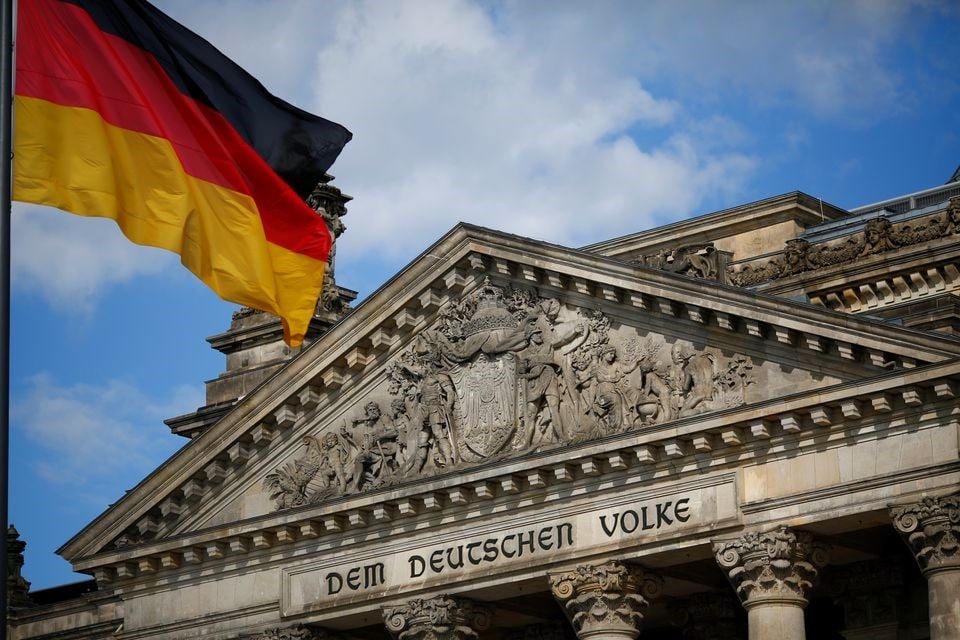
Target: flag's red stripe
<point>64,58</point>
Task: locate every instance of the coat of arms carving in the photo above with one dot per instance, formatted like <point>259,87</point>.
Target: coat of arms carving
<point>503,372</point>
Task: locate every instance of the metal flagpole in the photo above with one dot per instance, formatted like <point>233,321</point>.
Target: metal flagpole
<point>6,148</point>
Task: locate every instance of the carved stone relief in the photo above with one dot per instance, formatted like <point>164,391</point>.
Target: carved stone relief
<point>931,528</point>
<point>504,372</point>
<point>879,235</point>
<point>440,618</point>
<point>696,261</point>
<point>779,565</point>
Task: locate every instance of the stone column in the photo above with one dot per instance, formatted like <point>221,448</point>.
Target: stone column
<point>772,573</point>
<point>604,602</point>
<point>440,618</point>
<point>931,528</point>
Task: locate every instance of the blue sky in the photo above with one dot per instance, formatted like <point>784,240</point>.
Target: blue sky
<point>569,122</point>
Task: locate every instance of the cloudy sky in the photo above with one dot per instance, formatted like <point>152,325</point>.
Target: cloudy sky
<point>564,121</point>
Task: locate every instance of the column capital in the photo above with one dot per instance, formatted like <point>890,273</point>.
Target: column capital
<point>294,632</point>
<point>441,618</point>
<point>605,599</point>
<point>931,528</point>
<point>777,566</point>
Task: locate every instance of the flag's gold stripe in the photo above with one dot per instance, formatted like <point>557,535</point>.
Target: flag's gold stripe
<point>70,158</point>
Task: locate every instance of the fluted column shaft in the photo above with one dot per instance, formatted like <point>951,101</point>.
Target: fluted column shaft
<point>931,528</point>
<point>605,602</point>
<point>772,573</point>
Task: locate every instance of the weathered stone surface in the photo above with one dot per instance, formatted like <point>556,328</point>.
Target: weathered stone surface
<point>440,618</point>
<point>607,599</point>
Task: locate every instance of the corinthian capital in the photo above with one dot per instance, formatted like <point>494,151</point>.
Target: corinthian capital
<point>931,528</point>
<point>440,618</point>
<point>605,598</point>
<point>776,566</point>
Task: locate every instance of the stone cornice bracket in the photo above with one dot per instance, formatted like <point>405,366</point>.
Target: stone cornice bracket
<point>931,528</point>
<point>777,566</point>
<point>605,599</point>
<point>440,618</point>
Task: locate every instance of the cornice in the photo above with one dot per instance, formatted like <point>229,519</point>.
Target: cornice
<point>403,306</point>
<point>675,450</point>
<point>794,206</point>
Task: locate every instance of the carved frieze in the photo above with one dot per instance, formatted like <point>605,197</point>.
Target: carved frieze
<point>879,235</point>
<point>504,372</point>
<point>440,618</point>
<point>606,597</point>
<point>779,565</point>
<point>931,528</point>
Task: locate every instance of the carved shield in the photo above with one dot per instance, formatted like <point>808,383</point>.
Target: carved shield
<point>487,405</point>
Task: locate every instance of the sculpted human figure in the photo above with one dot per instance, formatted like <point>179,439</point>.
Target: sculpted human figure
<point>539,371</point>
<point>413,440</point>
<point>877,236</point>
<point>375,443</point>
<point>610,375</point>
<point>437,398</point>
<point>687,390</point>
<point>331,462</point>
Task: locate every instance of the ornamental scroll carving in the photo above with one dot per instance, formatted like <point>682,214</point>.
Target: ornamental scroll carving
<point>440,618</point>
<point>605,597</point>
<point>504,372</point>
<point>779,565</point>
<point>931,528</point>
<point>879,235</point>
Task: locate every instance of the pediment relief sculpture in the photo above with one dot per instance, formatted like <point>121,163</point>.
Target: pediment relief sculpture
<point>696,261</point>
<point>879,235</point>
<point>501,373</point>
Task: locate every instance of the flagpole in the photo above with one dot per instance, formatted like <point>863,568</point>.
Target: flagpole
<point>6,148</point>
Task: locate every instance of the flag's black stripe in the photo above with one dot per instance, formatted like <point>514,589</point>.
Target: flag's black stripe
<point>298,145</point>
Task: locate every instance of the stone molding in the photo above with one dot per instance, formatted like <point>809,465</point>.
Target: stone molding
<point>606,597</point>
<point>879,235</point>
<point>170,511</point>
<point>441,618</point>
<point>931,528</point>
<point>773,567</point>
<point>762,425</point>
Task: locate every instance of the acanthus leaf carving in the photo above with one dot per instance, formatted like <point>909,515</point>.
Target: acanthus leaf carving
<point>931,528</point>
<point>605,597</point>
<point>779,565</point>
<point>441,618</point>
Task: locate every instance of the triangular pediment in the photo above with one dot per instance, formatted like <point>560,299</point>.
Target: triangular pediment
<point>488,351</point>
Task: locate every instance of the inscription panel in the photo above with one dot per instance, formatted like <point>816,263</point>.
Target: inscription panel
<point>511,547</point>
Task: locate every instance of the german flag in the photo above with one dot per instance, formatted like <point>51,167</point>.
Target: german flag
<point>121,112</point>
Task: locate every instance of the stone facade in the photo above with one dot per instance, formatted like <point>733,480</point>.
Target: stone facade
<point>648,437</point>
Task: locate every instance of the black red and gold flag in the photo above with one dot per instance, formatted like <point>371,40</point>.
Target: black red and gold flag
<point>121,112</point>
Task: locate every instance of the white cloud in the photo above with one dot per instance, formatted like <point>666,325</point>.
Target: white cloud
<point>70,260</point>
<point>470,122</point>
<point>559,120</point>
<point>86,432</point>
